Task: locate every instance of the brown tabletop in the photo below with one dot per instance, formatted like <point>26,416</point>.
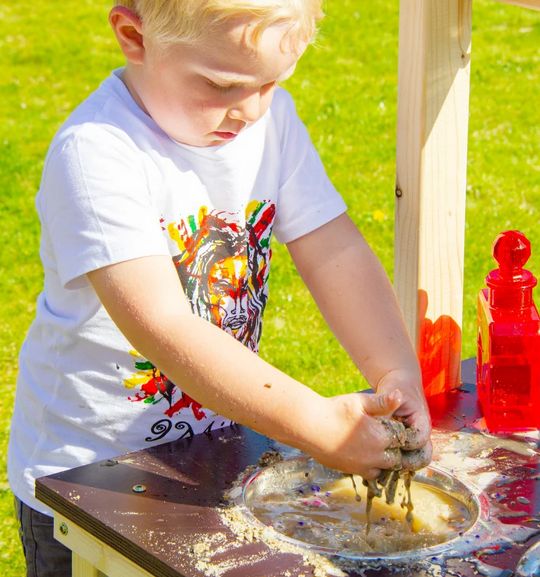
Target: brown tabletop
<point>184,484</point>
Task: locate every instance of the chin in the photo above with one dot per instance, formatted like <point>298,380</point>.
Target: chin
<point>203,141</point>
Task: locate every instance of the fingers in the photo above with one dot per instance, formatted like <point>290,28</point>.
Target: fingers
<point>395,459</point>
<point>417,459</point>
<point>405,447</point>
<point>380,405</point>
<point>392,459</point>
<point>397,432</point>
<point>371,474</point>
<point>417,435</point>
<point>388,459</point>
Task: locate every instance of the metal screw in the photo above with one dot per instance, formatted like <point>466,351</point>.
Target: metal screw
<point>138,488</point>
<point>64,529</point>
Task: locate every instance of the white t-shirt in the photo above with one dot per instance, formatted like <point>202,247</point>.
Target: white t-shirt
<point>115,187</point>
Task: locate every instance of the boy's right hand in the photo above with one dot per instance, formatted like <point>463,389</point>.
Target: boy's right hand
<point>353,437</point>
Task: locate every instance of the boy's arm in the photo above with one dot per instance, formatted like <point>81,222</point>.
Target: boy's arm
<point>357,300</point>
<point>145,299</point>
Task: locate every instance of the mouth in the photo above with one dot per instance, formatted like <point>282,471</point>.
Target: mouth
<point>225,135</point>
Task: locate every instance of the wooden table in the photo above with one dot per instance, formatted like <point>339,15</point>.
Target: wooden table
<point>112,528</point>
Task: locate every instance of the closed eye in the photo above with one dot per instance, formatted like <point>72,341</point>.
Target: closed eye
<point>221,88</point>
<point>228,87</point>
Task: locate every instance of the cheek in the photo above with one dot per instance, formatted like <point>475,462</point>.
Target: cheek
<point>212,105</point>
<point>202,110</point>
<point>169,101</point>
<point>266,99</point>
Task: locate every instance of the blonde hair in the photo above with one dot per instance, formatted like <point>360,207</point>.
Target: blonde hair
<point>179,21</point>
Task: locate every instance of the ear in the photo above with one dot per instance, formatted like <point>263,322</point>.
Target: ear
<point>127,27</point>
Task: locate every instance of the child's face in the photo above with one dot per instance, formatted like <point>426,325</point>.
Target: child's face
<point>204,95</point>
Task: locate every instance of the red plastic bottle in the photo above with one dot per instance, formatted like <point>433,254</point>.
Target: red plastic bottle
<point>508,360</point>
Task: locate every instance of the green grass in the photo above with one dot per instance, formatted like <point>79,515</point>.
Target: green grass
<point>52,54</point>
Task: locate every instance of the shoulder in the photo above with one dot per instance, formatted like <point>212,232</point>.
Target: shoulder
<point>88,155</point>
<point>107,119</point>
<point>85,156</point>
<point>282,104</point>
<point>289,127</point>
<point>90,138</point>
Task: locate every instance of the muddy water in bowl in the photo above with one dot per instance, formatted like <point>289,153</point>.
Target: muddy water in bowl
<point>322,509</point>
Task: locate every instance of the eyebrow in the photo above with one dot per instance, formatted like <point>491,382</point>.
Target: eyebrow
<point>235,80</point>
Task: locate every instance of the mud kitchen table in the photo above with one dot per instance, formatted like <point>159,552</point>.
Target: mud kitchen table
<point>124,533</point>
<point>140,514</point>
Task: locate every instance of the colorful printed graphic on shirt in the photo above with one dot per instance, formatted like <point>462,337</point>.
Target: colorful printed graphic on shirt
<point>223,265</point>
<point>154,387</point>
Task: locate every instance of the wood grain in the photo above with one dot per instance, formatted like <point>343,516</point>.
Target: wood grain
<point>433,111</point>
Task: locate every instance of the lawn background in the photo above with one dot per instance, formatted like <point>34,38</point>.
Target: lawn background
<point>52,54</point>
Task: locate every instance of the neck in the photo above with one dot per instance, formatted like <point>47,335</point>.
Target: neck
<point>127,78</point>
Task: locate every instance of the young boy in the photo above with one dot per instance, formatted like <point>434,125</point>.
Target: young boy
<point>159,198</point>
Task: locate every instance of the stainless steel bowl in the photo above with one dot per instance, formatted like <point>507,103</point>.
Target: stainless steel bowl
<point>286,475</point>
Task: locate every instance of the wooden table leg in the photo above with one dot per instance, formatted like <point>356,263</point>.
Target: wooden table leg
<point>83,568</point>
<point>92,557</point>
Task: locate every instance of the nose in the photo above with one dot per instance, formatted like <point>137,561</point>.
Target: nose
<point>249,108</point>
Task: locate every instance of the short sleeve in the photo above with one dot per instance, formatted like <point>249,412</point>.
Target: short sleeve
<point>95,204</point>
<point>307,199</point>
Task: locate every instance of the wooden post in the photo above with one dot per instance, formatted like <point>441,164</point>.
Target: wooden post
<point>433,110</point>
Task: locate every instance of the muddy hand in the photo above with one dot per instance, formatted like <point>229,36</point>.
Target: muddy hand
<point>415,455</point>
<point>416,459</point>
<point>382,407</point>
<point>413,411</point>
<point>397,432</point>
<point>382,404</point>
<point>386,437</point>
<point>399,453</point>
<point>394,459</point>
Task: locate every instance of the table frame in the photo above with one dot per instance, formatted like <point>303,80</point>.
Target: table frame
<point>90,556</point>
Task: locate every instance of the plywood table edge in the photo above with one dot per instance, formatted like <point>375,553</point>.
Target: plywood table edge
<point>102,536</point>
